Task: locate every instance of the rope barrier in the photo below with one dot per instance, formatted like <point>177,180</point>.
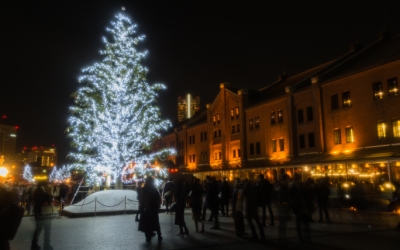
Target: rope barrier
<point>102,203</point>
<point>110,206</point>
<point>81,204</point>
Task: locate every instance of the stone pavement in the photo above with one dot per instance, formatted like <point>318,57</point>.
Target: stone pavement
<point>120,232</point>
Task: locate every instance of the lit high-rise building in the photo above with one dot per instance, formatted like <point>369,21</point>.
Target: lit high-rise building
<point>187,107</point>
<point>8,140</point>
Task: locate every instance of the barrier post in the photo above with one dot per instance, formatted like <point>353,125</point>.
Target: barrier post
<point>125,204</point>
<point>61,201</point>
<point>95,203</point>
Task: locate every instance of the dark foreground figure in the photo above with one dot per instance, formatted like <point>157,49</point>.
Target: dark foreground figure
<point>150,199</point>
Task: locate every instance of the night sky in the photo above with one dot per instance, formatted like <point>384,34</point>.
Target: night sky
<point>193,46</point>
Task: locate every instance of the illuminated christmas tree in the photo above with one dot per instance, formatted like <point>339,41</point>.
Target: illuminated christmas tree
<point>115,116</point>
<point>60,175</point>
<point>27,175</point>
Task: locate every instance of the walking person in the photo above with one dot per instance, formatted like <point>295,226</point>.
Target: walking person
<point>151,200</point>
<point>168,194</point>
<point>139,185</point>
<point>237,208</point>
<point>322,193</point>
<point>265,199</point>
<point>196,196</point>
<point>225,191</point>
<point>39,197</point>
<point>181,193</point>
<point>301,203</point>
<point>206,182</point>
<point>283,205</point>
<point>213,201</point>
<point>6,200</point>
<point>251,194</point>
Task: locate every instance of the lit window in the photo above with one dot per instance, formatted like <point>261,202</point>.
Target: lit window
<point>257,122</point>
<point>280,115</point>
<point>218,119</point>
<point>237,112</point>
<point>232,114</point>
<point>281,144</point>
<point>337,136</point>
<point>302,141</point>
<point>273,145</point>
<point>310,115</point>
<point>396,128</point>
<point>300,117</point>
<point>393,88</point>
<point>335,101</point>
<point>349,135</point>
<point>311,140</point>
<point>251,123</point>
<point>233,129</point>
<point>378,91</point>
<point>381,130</point>
<point>346,99</point>
<point>273,117</point>
<point>214,120</point>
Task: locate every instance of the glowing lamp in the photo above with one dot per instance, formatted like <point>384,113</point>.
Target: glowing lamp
<point>3,172</point>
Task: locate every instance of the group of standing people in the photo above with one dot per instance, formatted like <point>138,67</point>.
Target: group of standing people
<point>245,197</point>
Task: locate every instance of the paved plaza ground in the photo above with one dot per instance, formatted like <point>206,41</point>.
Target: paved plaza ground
<point>348,231</point>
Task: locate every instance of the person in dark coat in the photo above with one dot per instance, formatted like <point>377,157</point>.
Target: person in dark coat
<point>301,203</point>
<point>237,208</point>
<point>206,183</point>
<point>168,194</point>
<point>265,199</point>
<point>181,192</point>
<point>151,200</point>
<point>282,189</point>
<point>213,201</point>
<point>139,185</point>
<point>196,196</point>
<point>322,193</point>
<point>250,193</point>
<point>225,191</point>
<point>39,197</point>
<point>6,200</point>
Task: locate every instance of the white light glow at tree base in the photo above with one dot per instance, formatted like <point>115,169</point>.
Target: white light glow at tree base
<point>115,116</point>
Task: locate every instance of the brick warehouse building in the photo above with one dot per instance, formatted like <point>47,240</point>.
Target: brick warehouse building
<point>340,119</point>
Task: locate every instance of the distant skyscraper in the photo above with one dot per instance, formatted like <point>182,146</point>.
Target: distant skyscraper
<point>8,139</point>
<point>187,107</point>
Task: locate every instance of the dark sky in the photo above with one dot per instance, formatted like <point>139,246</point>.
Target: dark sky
<point>193,46</point>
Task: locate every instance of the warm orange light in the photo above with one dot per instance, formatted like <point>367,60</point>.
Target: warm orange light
<point>335,152</point>
<point>3,172</point>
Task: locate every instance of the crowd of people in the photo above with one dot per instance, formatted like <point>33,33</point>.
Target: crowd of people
<point>248,200</point>
<point>29,199</point>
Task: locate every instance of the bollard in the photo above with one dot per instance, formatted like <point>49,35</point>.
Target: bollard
<point>125,204</point>
<point>61,201</point>
<point>95,203</point>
